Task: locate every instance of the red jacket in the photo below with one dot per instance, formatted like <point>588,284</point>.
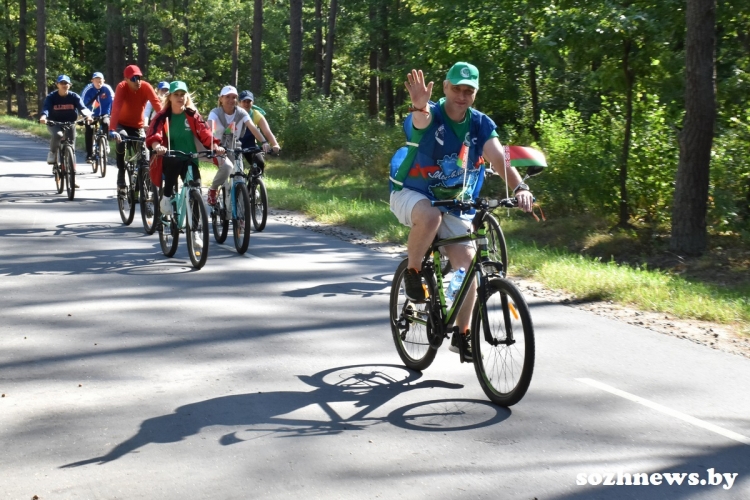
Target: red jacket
<point>156,134</point>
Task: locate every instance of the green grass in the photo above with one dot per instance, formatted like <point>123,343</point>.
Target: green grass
<point>340,194</point>
<point>36,128</point>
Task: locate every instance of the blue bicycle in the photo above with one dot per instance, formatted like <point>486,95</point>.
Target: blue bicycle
<point>188,215</point>
<point>233,203</point>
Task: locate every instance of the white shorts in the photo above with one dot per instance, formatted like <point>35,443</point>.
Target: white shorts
<point>403,202</point>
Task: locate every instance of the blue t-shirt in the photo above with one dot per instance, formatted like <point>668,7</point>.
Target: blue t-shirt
<point>99,101</point>
<point>434,169</point>
<point>63,108</point>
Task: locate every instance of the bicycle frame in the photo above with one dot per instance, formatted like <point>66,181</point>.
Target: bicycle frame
<point>480,269</point>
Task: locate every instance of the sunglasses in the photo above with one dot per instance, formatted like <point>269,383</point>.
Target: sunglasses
<point>135,78</point>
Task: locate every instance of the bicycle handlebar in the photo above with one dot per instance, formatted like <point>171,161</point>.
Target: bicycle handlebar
<point>479,203</point>
<point>51,122</point>
<point>173,153</point>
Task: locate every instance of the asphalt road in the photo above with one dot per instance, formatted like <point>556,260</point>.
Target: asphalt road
<point>128,375</point>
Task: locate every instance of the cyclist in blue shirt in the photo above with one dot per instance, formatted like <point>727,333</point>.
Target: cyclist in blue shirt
<point>98,97</point>
<point>449,141</point>
<point>62,105</point>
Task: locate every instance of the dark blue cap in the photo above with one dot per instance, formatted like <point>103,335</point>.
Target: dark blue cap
<point>63,78</point>
<point>245,95</point>
<point>97,75</point>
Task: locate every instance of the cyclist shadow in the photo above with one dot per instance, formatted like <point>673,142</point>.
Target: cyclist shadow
<point>359,391</point>
<point>377,285</point>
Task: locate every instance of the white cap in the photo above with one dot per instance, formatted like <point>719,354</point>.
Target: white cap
<point>228,90</point>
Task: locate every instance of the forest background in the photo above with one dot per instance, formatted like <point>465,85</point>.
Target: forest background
<point>602,87</point>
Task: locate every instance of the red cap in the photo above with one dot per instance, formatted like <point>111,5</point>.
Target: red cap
<point>131,71</point>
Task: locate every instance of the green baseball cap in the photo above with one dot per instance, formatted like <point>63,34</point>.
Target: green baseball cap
<point>177,85</point>
<point>463,73</point>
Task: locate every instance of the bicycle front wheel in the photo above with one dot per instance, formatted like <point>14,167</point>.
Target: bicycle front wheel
<point>126,202</point>
<point>101,158</point>
<point>260,204</point>
<point>169,234</point>
<point>241,223</point>
<point>69,160</point>
<point>498,250</point>
<point>196,231</point>
<point>148,202</point>
<point>504,351</point>
<point>410,325</point>
<point>59,179</point>
<point>220,216</point>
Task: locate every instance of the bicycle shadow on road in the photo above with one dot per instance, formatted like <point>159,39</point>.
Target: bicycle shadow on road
<point>345,399</point>
<point>377,285</point>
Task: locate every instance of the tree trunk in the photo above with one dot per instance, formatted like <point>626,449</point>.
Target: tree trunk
<point>319,44</point>
<point>294,88</point>
<point>234,76</point>
<point>115,54</point>
<point>330,38</point>
<point>629,73</point>
<point>143,45</point>
<point>186,25</point>
<point>23,111</point>
<point>41,54</point>
<point>374,92</point>
<point>385,65</point>
<point>9,61</point>
<point>691,183</point>
<point>533,89</point>
<point>109,58</point>
<point>256,65</point>
<point>166,42</point>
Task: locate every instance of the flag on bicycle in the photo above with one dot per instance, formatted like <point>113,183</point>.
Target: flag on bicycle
<point>524,156</point>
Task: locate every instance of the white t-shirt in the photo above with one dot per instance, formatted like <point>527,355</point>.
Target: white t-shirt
<point>235,129</point>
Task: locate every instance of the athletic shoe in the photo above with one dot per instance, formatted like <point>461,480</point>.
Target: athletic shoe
<point>89,158</point>
<point>51,158</point>
<point>464,339</point>
<point>415,290</point>
<point>211,198</point>
<point>166,206</point>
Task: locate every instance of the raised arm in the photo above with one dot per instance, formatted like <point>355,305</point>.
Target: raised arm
<point>420,93</point>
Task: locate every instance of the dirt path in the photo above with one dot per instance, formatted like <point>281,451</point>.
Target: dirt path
<point>712,335</point>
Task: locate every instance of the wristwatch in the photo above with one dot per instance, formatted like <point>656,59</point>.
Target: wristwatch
<point>521,186</point>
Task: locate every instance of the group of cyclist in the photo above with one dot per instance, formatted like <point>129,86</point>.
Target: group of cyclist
<point>165,116</point>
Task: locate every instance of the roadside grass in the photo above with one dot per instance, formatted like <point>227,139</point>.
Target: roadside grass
<point>568,254</point>
<point>36,128</point>
<point>336,193</point>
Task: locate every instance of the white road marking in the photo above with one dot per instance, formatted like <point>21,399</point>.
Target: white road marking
<point>7,158</point>
<point>668,411</point>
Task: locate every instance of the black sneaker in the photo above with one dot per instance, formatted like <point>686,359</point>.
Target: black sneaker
<point>415,290</point>
<point>462,345</point>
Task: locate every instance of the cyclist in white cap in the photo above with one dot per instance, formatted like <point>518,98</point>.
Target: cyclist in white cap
<point>228,122</point>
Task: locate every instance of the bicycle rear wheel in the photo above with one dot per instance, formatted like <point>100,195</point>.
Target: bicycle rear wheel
<point>220,216</point>
<point>260,204</point>
<point>101,158</point>
<point>498,250</point>
<point>196,231</point>
<point>504,368</point>
<point>59,179</point>
<point>126,202</point>
<point>69,160</point>
<point>148,202</point>
<point>241,223</point>
<point>410,325</point>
